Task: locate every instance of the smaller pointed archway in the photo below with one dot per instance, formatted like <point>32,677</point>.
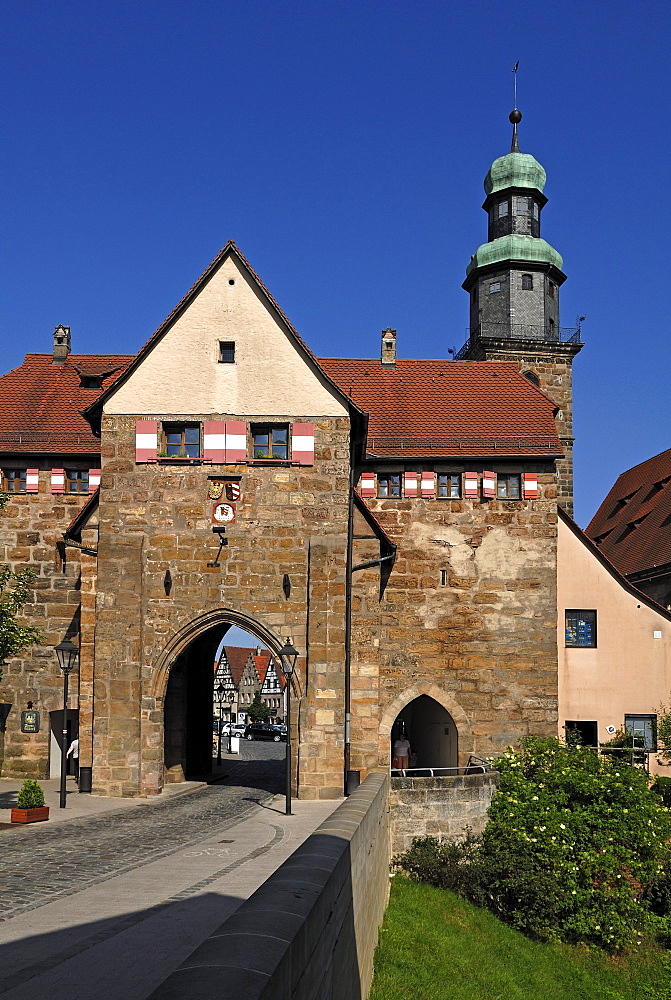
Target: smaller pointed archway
<point>431,732</point>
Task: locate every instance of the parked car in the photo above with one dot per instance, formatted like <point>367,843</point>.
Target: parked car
<point>264,731</point>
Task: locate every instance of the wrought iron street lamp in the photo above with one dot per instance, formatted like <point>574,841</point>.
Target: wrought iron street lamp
<point>220,702</point>
<point>288,657</point>
<point>67,654</point>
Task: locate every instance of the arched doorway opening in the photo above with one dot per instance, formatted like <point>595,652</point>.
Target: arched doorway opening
<point>431,732</point>
<point>184,692</point>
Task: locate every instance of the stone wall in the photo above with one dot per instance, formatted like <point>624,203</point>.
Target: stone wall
<point>468,618</point>
<point>445,807</point>
<point>311,930</point>
<point>154,518</point>
<point>31,535</point>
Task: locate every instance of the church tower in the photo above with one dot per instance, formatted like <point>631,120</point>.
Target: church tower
<point>513,281</point>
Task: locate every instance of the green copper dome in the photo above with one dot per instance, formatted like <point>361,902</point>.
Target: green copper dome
<point>515,247</point>
<point>515,170</point>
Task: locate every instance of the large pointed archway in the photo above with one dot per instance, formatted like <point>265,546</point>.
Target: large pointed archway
<point>177,708</point>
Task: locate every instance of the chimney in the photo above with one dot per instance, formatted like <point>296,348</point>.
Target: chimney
<point>61,344</point>
<point>389,348</point>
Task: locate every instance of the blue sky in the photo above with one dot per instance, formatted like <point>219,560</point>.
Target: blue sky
<point>343,146</point>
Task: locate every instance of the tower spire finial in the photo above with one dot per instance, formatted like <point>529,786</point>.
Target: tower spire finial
<point>515,116</point>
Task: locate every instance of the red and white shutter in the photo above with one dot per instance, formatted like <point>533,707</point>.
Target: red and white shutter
<point>94,480</point>
<point>32,480</point>
<point>236,441</point>
<point>428,485</point>
<point>489,485</point>
<point>471,485</point>
<point>303,444</point>
<point>214,441</point>
<point>409,484</point>
<point>367,484</point>
<point>146,440</point>
<point>530,485</point>
<point>58,480</point>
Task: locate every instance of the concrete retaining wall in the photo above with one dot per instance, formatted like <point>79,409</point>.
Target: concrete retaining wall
<point>439,807</point>
<point>310,931</point>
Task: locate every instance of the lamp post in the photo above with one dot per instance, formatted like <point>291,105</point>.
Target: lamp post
<point>220,702</point>
<point>67,654</point>
<point>288,657</point>
<point>231,699</point>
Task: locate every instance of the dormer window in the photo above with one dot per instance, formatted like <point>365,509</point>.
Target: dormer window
<point>91,382</point>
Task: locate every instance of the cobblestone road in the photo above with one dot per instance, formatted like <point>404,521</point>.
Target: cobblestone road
<point>38,866</point>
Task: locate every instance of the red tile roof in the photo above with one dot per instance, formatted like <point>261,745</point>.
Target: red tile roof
<point>237,657</point>
<point>448,408</point>
<point>41,403</point>
<point>632,527</point>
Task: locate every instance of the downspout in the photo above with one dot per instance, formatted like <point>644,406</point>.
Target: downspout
<point>348,632</point>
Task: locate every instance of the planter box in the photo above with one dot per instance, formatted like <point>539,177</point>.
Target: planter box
<point>35,815</point>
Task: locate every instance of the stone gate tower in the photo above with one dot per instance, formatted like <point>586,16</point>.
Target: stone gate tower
<point>513,281</point>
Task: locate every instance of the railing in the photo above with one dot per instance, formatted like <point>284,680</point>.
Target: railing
<point>519,331</point>
<point>475,765</point>
<point>48,437</point>
<point>467,444</point>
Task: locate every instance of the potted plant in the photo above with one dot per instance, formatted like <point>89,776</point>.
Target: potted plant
<point>30,807</point>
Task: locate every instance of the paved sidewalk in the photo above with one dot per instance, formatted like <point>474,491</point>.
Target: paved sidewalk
<point>77,805</point>
<point>123,935</point>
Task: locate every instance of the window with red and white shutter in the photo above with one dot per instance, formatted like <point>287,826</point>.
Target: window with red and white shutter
<point>236,441</point>
<point>428,485</point>
<point>214,441</point>
<point>489,485</point>
<point>530,485</point>
<point>367,487</point>
<point>94,479</point>
<point>303,444</point>
<point>58,480</point>
<point>471,486</point>
<point>146,440</point>
<point>410,484</point>
<point>32,480</point>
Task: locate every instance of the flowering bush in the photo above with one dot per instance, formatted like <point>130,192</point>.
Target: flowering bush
<point>573,842</point>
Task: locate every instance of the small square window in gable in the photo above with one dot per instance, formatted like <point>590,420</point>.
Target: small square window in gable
<point>226,352</point>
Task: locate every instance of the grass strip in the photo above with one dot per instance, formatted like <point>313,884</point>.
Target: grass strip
<point>436,946</point>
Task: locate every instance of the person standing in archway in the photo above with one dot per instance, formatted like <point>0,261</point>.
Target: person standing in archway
<point>402,752</point>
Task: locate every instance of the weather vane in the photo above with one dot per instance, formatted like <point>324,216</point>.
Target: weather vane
<point>515,116</point>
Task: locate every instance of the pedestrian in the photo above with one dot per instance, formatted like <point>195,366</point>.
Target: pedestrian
<point>74,750</point>
<point>402,752</point>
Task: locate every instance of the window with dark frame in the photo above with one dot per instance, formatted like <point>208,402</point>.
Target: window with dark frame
<point>551,289</point>
<point>643,730</point>
<point>76,481</point>
<point>580,629</point>
<point>508,486</point>
<point>14,481</point>
<point>226,352</point>
<point>181,440</point>
<point>527,282</point>
<point>449,486</point>
<point>389,485</point>
<point>270,441</point>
